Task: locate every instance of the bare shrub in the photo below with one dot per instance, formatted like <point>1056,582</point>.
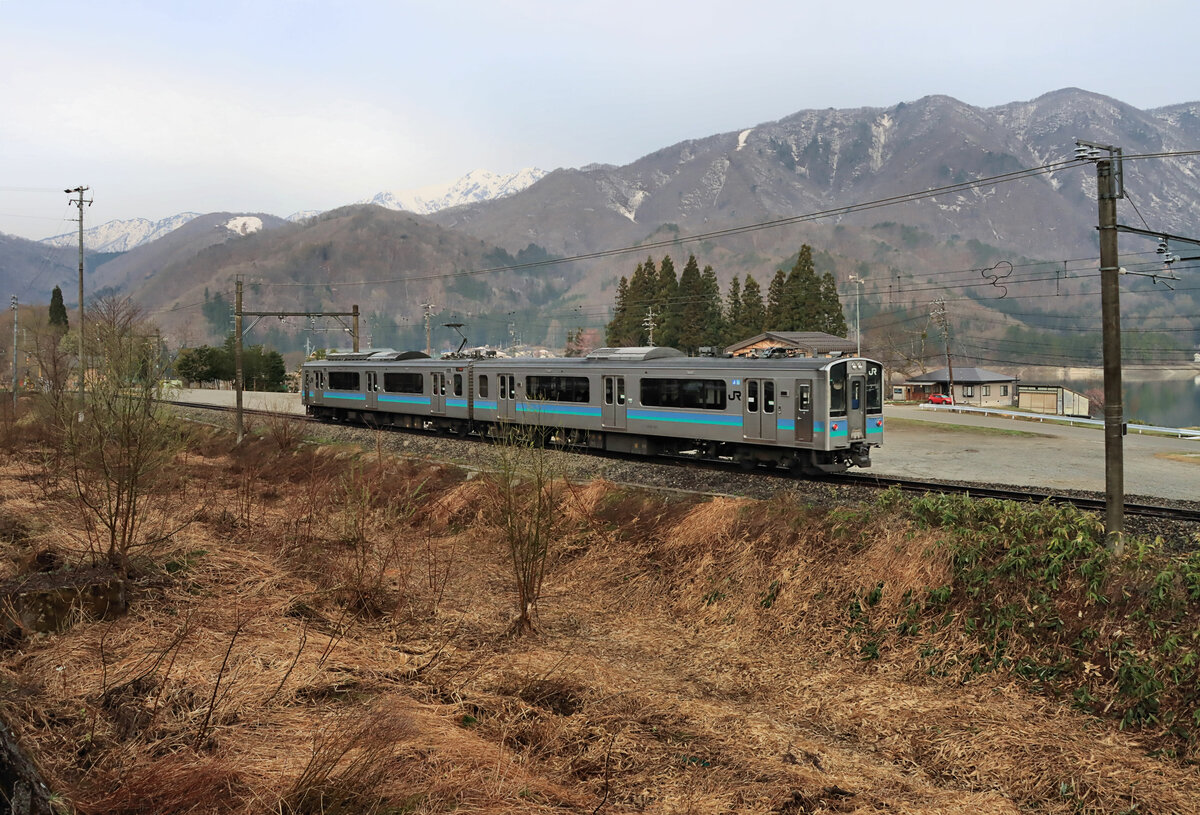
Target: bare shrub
<point>122,446</point>
<point>351,762</point>
<point>526,485</point>
<point>285,430</point>
<point>176,782</point>
<point>371,518</point>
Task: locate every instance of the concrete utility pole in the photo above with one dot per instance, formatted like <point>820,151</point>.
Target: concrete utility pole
<point>858,282</point>
<point>237,357</point>
<point>1109,187</point>
<point>939,314</point>
<point>14,359</point>
<point>79,202</point>
<point>429,307</point>
<point>649,324</point>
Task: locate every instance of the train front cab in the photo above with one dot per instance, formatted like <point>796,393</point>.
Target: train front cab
<point>855,410</point>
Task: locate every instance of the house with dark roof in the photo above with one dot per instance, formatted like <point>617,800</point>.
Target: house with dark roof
<point>793,344</point>
<point>972,386</point>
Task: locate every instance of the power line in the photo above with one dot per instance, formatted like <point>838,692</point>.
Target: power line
<point>1002,178</point>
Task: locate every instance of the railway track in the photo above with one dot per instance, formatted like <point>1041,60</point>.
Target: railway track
<point>1023,495</point>
<point>860,479</point>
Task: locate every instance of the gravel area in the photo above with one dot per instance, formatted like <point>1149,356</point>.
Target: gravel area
<point>688,477</point>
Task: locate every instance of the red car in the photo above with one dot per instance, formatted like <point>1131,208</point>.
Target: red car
<point>941,399</point>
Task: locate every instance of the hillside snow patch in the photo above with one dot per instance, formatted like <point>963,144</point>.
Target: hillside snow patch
<point>244,224</point>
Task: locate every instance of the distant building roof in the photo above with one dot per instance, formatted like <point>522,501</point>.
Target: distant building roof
<point>815,342</point>
<point>962,376</point>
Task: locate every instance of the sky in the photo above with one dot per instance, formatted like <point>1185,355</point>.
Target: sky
<point>279,106</point>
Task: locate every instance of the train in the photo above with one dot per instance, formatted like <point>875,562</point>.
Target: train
<point>807,415</point>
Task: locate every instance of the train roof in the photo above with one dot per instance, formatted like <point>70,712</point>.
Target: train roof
<point>608,358</point>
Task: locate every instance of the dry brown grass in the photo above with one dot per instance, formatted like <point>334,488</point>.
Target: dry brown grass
<point>693,656</point>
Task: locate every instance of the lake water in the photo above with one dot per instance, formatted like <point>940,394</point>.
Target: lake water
<point>1168,403</point>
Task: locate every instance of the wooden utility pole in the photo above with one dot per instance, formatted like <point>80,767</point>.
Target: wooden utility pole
<point>1114,409</point>
<point>79,202</point>
<point>1110,185</point>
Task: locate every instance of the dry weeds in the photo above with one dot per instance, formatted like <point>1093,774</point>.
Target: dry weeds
<point>692,657</point>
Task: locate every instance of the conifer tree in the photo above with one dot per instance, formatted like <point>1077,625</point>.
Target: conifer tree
<point>714,321</point>
<point>733,313</point>
<point>802,307</point>
<point>777,302</point>
<point>667,314</point>
<point>833,318</point>
<point>639,298</point>
<point>691,308</point>
<point>58,312</point>
<point>616,330</point>
<point>754,313</point>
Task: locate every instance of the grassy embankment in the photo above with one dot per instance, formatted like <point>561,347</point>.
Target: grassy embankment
<point>333,633</point>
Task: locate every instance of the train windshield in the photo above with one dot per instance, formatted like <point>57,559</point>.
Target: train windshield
<point>837,390</point>
<point>874,387</point>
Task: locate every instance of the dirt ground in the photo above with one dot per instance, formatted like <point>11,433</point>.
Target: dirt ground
<point>333,633</point>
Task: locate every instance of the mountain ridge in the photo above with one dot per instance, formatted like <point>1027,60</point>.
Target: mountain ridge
<point>475,187</point>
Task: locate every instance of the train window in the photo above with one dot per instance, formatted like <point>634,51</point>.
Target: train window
<point>837,390</point>
<point>483,386</point>
<point>698,394</point>
<point>608,390</point>
<point>512,387</point>
<point>874,389</point>
<point>804,398</point>
<point>752,396</point>
<point>856,394</point>
<point>401,382</point>
<point>458,384</point>
<point>620,390</point>
<point>345,381</point>
<point>557,388</point>
<point>768,397</point>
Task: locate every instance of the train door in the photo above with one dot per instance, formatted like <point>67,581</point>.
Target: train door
<point>804,411</point>
<point>614,402</point>
<point>759,409</point>
<point>437,393</point>
<point>857,407</point>
<point>506,397</point>
<point>372,390</point>
<point>308,385</point>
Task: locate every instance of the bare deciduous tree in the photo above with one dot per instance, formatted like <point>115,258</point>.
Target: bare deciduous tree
<point>122,445</point>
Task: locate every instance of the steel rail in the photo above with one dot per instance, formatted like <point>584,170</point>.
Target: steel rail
<point>859,479</point>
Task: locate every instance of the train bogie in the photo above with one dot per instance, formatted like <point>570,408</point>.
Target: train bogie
<point>808,415</point>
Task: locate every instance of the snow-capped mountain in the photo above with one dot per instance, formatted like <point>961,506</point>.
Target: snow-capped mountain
<point>473,188</point>
<point>121,236</point>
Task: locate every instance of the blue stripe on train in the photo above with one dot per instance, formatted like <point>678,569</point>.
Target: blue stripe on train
<point>685,418</point>
<point>406,400</point>
<point>543,409</point>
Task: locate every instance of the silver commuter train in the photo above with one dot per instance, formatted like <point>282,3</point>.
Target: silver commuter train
<point>807,415</point>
